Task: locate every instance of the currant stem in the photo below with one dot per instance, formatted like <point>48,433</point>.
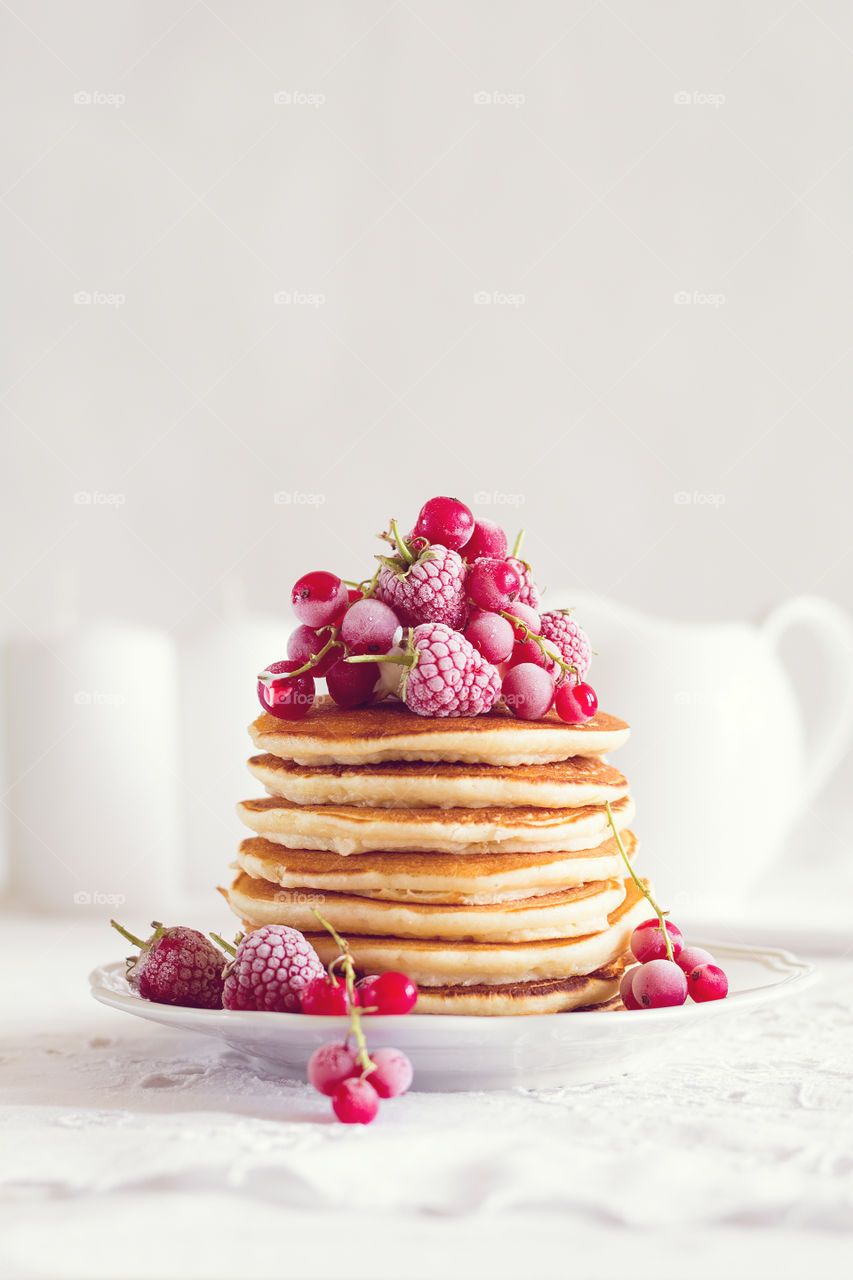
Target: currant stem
<point>345,959</point>
<point>401,546</point>
<point>517,547</point>
<point>527,634</point>
<point>266,676</point>
<point>137,942</point>
<point>226,946</point>
<point>644,890</point>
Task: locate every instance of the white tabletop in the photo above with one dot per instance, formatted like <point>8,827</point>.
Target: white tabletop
<point>130,1149</point>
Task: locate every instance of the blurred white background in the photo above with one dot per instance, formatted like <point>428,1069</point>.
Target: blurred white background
<point>275,272</point>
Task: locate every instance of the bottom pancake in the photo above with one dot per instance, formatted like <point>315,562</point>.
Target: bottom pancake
<point>598,990</point>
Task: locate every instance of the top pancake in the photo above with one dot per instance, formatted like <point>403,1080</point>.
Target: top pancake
<point>330,734</point>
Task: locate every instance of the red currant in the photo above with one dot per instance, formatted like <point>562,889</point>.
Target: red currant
<point>692,957</point>
<point>491,635</point>
<point>304,642</point>
<point>529,617</point>
<point>648,943</point>
<point>325,997</point>
<point>576,703</point>
<point>526,651</point>
<point>351,684</point>
<point>493,584</point>
<point>329,1066</point>
<point>488,539</point>
<point>626,989</point>
<point>355,1101</point>
<point>369,626</point>
<point>284,698</point>
<point>446,521</point>
<point>393,1073</point>
<point>389,993</point>
<point>707,982</point>
<point>528,691</point>
<point>318,598</point>
<point>659,984</point>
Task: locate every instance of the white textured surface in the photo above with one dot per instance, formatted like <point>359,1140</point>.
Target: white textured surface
<point>130,1149</point>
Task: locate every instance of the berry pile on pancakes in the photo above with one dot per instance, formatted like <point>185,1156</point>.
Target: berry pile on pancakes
<point>446,817</point>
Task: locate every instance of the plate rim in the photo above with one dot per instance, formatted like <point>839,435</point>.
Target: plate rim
<point>793,974</point>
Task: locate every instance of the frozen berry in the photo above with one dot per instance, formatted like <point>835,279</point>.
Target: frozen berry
<point>176,966</point>
<point>528,691</point>
<point>448,676</point>
<point>569,640</point>
<point>271,971</point>
<point>528,620</point>
<point>284,697</point>
<point>390,992</point>
<point>491,635</point>
<point>691,958</point>
<point>355,1101</point>
<point>445,520</point>
<point>352,684</point>
<point>326,997</point>
<point>707,982</point>
<point>304,643</point>
<point>330,1065</point>
<point>318,598</point>
<point>428,589</point>
<point>626,989</point>
<point>393,1073</point>
<point>575,703</point>
<point>488,539</point>
<point>369,626</point>
<point>493,584</point>
<point>648,943</point>
<point>659,984</point>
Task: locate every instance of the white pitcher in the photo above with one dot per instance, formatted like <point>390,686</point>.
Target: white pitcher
<point>719,760</point>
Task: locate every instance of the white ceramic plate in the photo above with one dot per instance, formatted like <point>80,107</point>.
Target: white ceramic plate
<point>451,1053</point>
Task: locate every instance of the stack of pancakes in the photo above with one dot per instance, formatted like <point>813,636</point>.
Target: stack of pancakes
<point>472,853</point>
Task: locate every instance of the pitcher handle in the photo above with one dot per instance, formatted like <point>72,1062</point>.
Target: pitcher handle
<point>833,630</point>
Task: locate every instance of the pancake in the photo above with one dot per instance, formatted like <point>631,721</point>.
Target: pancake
<point>598,990</point>
<point>389,731</point>
<point>432,877</point>
<point>440,964</point>
<point>400,784</point>
<point>349,829</point>
<point>562,914</point>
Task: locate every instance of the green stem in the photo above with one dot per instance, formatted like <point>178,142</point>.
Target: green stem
<point>312,661</point>
<point>517,548</point>
<point>644,890</point>
<point>401,546</point>
<point>226,946</point>
<point>137,942</point>
<point>356,1029</point>
<point>527,634</point>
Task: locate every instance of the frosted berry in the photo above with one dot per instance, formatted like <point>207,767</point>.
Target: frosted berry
<point>527,651</point>
<point>707,982</point>
<point>528,594</point>
<point>393,1073</point>
<point>287,699</point>
<point>691,958</point>
<point>330,1065</point>
<point>355,1102</point>
<point>626,989</point>
<point>390,992</point>
<point>273,967</point>
<point>488,539</point>
<point>493,584</point>
<point>325,997</point>
<point>528,620</point>
<point>491,635</point>
<point>659,984</point>
<point>352,684</point>
<point>449,676</point>
<point>444,520</point>
<point>528,691</point>
<point>176,966</point>
<point>431,589</point>
<point>305,642</point>
<point>575,703</point>
<point>318,598</point>
<point>369,626</point>
<point>648,943</point>
<point>570,641</point>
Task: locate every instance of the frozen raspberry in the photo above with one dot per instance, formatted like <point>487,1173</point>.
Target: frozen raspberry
<point>272,966</point>
<point>431,589</point>
<point>449,677</point>
<point>571,641</point>
<point>528,594</point>
<point>176,966</point>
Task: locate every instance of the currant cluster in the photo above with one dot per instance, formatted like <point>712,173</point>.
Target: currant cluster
<point>449,623</point>
<point>667,972</point>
